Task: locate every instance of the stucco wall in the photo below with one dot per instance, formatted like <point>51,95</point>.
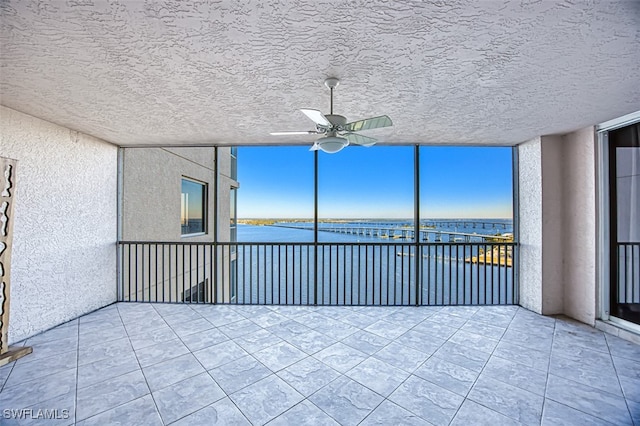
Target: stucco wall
<point>64,253</point>
<point>152,179</point>
<point>579,225</point>
<point>558,225</point>
<point>530,224</point>
<point>540,206</point>
<point>553,251</point>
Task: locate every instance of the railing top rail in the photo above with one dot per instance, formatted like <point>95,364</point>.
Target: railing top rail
<point>288,243</point>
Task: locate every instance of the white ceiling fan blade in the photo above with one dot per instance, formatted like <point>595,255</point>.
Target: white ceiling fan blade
<point>314,147</point>
<point>360,140</point>
<point>317,117</point>
<point>307,132</point>
<point>369,123</point>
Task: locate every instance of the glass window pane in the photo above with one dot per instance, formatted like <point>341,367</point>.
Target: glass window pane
<point>275,197</point>
<point>192,207</point>
<point>628,193</point>
<point>465,191</point>
<point>366,194</point>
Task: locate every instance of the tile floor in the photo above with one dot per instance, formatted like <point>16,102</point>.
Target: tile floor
<point>155,364</point>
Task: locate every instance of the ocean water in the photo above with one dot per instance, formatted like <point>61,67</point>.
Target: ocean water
<point>282,266</point>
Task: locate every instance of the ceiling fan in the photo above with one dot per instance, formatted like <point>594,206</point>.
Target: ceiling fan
<point>337,132</point>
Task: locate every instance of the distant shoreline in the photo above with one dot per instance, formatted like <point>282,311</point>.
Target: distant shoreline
<point>271,221</point>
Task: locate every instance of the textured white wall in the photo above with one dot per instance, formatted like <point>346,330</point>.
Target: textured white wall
<point>552,225</point>
<point>558,225</point>
<point>64,253</point>
<point>579,225</point>
<point>540,205</point>
<point>152,182</point>
<point>530,223</point>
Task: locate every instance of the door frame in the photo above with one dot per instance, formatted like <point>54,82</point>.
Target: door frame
<point>603,217</point>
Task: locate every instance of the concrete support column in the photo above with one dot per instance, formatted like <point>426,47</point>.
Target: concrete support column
<point>557,207</point>
<point>540,190</point>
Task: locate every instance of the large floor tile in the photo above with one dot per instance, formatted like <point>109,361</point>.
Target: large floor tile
<point>474,341</point>
<point>141,411</point>
<point>152,337</point>
<point>172,371</point>
<point>366,342</point>
<point>515,374</point>
<point>219,354</point>
<point>511,401</point>
<point>257,341</point>
<point>266,399</point>
<point>203,339</point>
<point>559,414</point>
<point>308,375</point>
<point>26,371</point>
<point>304,414</point>
<point>431,402</point>
<point>161,352</point>
<point>588,399</point>
<point>389,413</point>
<point>522,355</point>
<point>341,357</point>
<point>377,376</point>
<point>346,400</point>
<point>239,374</point>
<point>99,371</point>
<point>447,375</point>
<point>472,413</point>
<point>401,356</point>
<point>223,413</point>
<point>386,329</point>
<point>186,397</point>
<point>110,393</point>
<point>279,356</point>
<point>423,342</point>
<point>463,356</point>
<point>311,342</point>
<point>38,390</point>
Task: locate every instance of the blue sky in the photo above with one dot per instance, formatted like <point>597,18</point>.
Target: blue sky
<point>376,182</point>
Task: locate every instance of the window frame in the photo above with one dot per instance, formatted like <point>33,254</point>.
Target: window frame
<point>205,210</point>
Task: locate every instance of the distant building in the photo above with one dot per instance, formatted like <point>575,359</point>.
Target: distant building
<point>174,195</point>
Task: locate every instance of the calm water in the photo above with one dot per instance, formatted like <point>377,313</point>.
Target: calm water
<point>380,273</point>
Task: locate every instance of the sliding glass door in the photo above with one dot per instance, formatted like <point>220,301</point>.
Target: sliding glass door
<point>624,217</point>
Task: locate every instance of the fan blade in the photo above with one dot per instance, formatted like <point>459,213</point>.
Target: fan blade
<point>314,147</point>
<point>369,123</point>
<point>360,140</point>
<point>308,132</point>
<point>317,117</point>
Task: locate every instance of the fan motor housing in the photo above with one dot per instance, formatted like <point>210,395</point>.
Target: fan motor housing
<point>336,120</point>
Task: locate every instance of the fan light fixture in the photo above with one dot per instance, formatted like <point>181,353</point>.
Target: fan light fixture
<point>331,144</point>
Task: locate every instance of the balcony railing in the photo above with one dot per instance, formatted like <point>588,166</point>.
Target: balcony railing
<point>319,273</point>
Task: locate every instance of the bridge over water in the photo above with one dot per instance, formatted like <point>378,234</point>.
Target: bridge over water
<point>381,231</point>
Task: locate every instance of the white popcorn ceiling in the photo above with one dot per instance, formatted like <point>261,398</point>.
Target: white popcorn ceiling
<point>225,72</point>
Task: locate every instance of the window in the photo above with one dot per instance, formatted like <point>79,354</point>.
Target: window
<point>193,210</point>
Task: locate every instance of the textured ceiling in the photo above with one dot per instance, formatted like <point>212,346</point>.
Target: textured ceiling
<point>227,72</point>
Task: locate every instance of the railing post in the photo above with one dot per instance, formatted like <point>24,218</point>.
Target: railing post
<point>416,220</point>
<point>214,246</point>
<point>315,227</point>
